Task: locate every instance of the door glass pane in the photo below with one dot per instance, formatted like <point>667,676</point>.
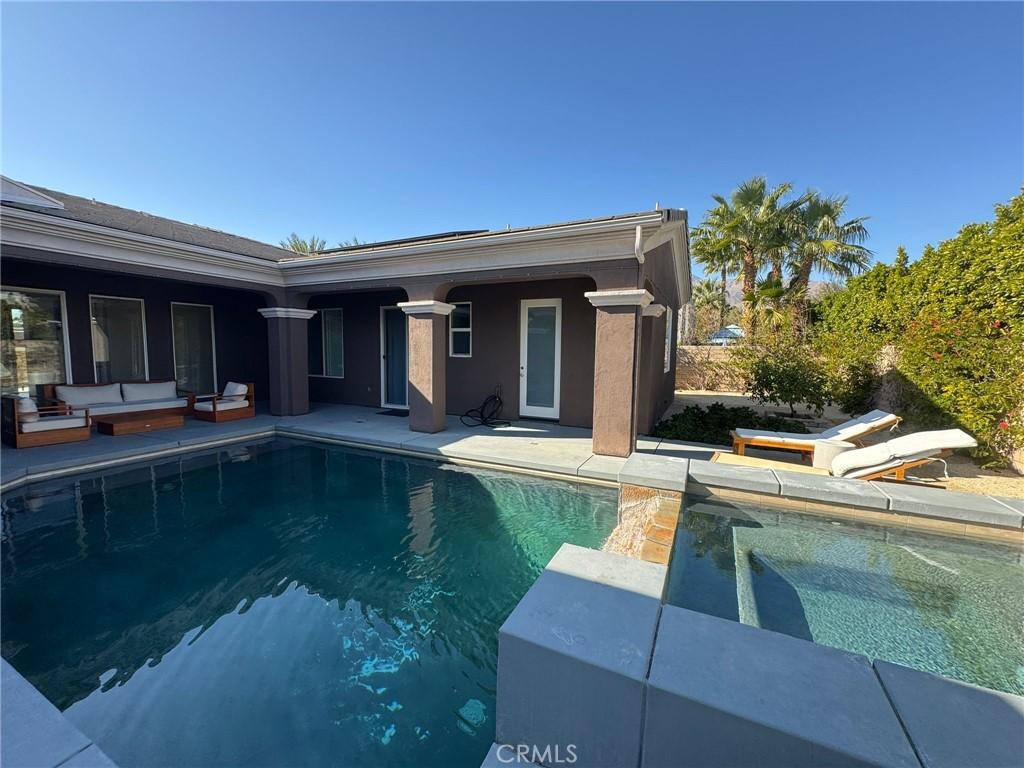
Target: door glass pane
<point>334,343</point>
<point>395,340</point>
<point>118,339</point>
<point>193,348</point>
<point>31,341</point>
<point>540,356</point>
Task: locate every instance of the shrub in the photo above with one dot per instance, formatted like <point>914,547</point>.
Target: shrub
<point>779,367</point>
<point>712,424</point>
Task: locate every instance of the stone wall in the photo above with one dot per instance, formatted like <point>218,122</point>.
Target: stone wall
<point>706,368</point>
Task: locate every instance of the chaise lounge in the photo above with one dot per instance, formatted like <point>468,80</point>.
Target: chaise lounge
<point>891,458</point>
<point>850,431</point>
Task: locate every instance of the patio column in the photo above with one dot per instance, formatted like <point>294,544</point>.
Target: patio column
<point>615,368</point>
<point>427,360</point>
<point>289,361</point>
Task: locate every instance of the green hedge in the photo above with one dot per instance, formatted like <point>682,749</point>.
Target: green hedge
<point>955,319</point>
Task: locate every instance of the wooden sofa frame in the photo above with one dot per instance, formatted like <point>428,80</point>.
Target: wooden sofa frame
<point>232,414</point>
<point>49,393</point>
<point>11,420</point>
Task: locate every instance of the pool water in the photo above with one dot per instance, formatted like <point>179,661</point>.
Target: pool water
<point>947,606</point>
<point>282,603</point>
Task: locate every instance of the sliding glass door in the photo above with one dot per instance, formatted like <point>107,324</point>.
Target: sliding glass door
<point>118,339</point>
<point>195,364</point>
<point>33,340</point>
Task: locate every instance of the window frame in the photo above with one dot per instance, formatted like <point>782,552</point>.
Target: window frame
<point>68,375</point>
<point>669,333</point>
<point>145,333</point>
<point>468,331</point>
<point>323,345</point>
<point>213,337</point>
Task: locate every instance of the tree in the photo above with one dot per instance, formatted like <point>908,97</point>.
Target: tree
<point>306,247</point>
<point>755,223</point>
<point>717,253</point>
<point>824,241</point>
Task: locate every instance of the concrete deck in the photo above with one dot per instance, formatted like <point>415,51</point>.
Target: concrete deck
<point>536,446</point>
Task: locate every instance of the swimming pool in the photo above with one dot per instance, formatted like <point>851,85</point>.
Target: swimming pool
<point>948,606</point>
<point>280,603</point>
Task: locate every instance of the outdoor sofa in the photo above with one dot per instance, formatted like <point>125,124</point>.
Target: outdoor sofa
<point>23,424</point>
<point>851,431</point>
<point>120,397</point>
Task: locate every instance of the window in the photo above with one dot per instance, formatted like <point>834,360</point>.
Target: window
<point>195,364</point>
<point>33,340</point>
<point>327,353</point>
<point>669,332</point>
<point>460,330</point>
<point>118,339</point>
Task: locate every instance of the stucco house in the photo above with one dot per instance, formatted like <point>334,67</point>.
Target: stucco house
<point>574,322</point>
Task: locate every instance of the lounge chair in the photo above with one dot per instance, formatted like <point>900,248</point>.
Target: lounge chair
<point>26,425</point>
<point>890,458</point>
<point>238,401</point>
<point>851,431</point>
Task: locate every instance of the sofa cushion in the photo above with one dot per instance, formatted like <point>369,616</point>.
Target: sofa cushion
<point>72,395</point>
<point>27,410</point>
<point>235,391</point>
<point>53,422</point>
<point>106,409</point>
<point>224,405</point>
<point>156,390</point>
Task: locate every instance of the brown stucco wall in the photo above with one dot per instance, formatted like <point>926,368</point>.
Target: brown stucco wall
<point>495,360</point>
<point>239,331</point>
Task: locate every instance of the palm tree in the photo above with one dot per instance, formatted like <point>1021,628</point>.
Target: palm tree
<point>717,253</point>
<point>304,246</point>
<point>824,241</point>
<point>757,223</point>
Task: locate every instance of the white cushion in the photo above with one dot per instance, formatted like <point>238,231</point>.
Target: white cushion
<point>54,422</point>
<point>874,421</point>
<point>224,405</point>
<point>235,391</point>
<point>157,390</point>
<point>826,450</point>
<point>105,409</point>
<point>27,410</point>
<point>899,450</point>
<point>791,438</point>
<point>72,395</point>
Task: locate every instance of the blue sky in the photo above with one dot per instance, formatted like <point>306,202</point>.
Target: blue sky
<point>394,120</point>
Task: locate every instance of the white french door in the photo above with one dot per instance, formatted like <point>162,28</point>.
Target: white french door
<point>540,357</point>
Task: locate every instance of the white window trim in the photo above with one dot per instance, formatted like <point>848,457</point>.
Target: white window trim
<point>213,338</point>
<point>323,344</point>
<point>63,323</point>
<point>467,331</point>
<point>669,331</point>
<point>145,332</point>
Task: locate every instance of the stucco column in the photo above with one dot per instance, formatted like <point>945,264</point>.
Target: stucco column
<point>289,360</point>
<point>615,368</point>
<point>427,361</point>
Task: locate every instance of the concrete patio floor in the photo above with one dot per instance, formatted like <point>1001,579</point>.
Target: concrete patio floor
<point>535,446</point>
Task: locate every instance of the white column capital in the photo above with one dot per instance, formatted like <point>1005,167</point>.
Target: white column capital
<point>289,312</point>
<point>631,297</point>
<point>425,307</point>
<point>654,310</point>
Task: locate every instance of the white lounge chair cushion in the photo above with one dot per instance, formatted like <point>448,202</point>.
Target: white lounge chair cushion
<point>899,450</point>
<point>27,410</point>
<point>53,422</point>
<point>792,438</point>
<point>72,395</point>
<point>235,392</point>
<point>105,409</point>
<point>157,390</point>
<point>870,422</point>
<point>224,405</point>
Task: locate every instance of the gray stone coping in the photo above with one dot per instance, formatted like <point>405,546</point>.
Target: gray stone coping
<point>858,493</point>
<point>34,732</point>
<point>724,693</point>
<point>663,472</point>
<point>954,724</point>
<point>948,505</point>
